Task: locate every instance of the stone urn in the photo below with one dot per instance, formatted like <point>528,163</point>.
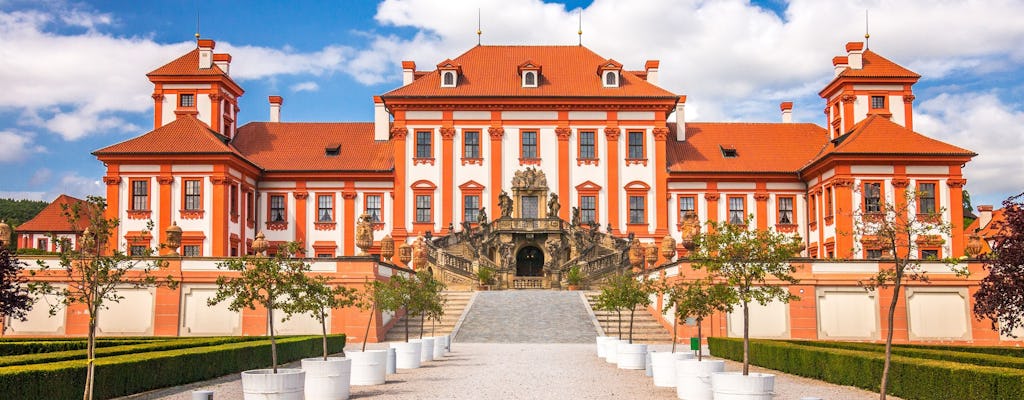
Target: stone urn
<point>668,247</point>
<point>5,233</point>
<point>651,255</point>
<point>405,253</point>
<point>259,245</point>
<point>636,255</point>
<point>364,234</point>
<point>974,246</point>
<point>173,238</point>
<point>690,228</point>
<point>387,248</point>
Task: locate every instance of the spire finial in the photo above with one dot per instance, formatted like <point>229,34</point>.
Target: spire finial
<point>867,34</point>
<point>197,25</point>
<point>580,30</point>
<point>478,30</point>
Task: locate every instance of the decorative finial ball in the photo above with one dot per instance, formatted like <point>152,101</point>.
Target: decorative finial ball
<point>478,31</point>
<point>197,35</point>
<point>867,36</point>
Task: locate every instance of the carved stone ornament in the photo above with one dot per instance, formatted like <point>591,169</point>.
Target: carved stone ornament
<point>842,182</point>
<point>260,244</point>
<point>405,253</point>
<point>112,180</point>
<point>909,98</point>
<point>651,254</point>
<point>690,228</point>
<point>563,133</point>
<point>668,247</point>
<point>956,183</point>
<point>447,133</point>
<point>553,206</point>
<point>399,133</point>
<point>5,233</point>
<point>387,247</point>
<point>173,237</point>
<point>419,252</point>
<point>364,234</point>
<point>496,132</point>
<point>713,196</point>
<point>530,178</point>
<point>974,246</point>
<point>761,196</point>
<point>848,98</point>
<point>612,133</point>
<point>505,204</point>
<point>660,134</point>
<point>900,182</point>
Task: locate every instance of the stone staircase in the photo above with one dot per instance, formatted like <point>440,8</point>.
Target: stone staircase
<point>456,304</point>
<point>527,316</point>
<point>646,329</point>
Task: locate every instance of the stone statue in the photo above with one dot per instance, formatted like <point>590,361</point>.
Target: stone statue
<point>575,220</point>
<point>482,215</point>
<point>505,204</point>
<point>553,206</point>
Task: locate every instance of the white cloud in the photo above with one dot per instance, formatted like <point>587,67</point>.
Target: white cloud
<point>24,195</point>
<point>308,86</point>
<point>40,177</point>
<point>982,123</point>
<point>15,147</point>
<point>69,183</point>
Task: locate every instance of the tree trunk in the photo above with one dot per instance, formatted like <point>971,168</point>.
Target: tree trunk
<point>373,310</point>
<point>746,339</point>
<point>700,340</point>
<point>90,374</point>
<point>888,337</point>
<point>273,341</point>
<point>631,312</point>
<point>675,337</point>
<point>421,324</point>
<point>407,324</point>
<point>619,313</point>
<point>323,326</point>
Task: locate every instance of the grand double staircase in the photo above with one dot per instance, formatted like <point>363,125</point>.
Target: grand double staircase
<point>455,304</point>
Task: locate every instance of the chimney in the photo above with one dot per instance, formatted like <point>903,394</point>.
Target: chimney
<point>681,119</point>
<point>855,54</point>
<point>275,108</point>
<point>984,216</point>
<point>408,72</point>
<point>205,53</point>
<point>223,61</point>
<point>840,63</point>
<point>381,120</point>
<point>652,71</point>
<point>787,111</point>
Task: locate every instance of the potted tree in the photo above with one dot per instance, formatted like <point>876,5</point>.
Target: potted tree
<point>744,261</point>
<point>484,276</point>
<point>369,367</point>
<point>574,278</point>
<point>401,290</point>
<point>699,299</point>
<point>633,292</point>
<point>421,293</point>
<point>608,300</point>
<point>327,378</point>
<point>270,282</point>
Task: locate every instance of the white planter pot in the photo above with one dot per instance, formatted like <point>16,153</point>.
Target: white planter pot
<point>392,361</point>
<point>693,378</point>
<point>438,347</point>
<point>611,351</point>
<point>632,356</point>
<point>602,345</point>
<point>736,386</point>
<point>663,367</point>
<point>369,367</point>
<point>327,380</point>
<point>427,349</point>
<point>408,354</point>
<point>647,364</point>
<point>264,384</point>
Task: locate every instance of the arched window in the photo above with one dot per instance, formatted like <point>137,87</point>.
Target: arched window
<point>530,79</point>
<point>610,79</point>
<point>449,79</point>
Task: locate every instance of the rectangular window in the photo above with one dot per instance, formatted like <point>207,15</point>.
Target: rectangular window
<point>529,145</point>
<point>187,100</point>
<point>873,197</point>
<point>190,250</point>
<point>587,145</point>
<point>471,144</point>
<point>136,250</point>
<point>929,254</point>
<point>324,255</point>
<point>43,244</point>
<point>277,208</point>
<point>424,148</point>
<point>636,209</point>
<point>325,208</point>
<point>588,209</point>
<point>828,202</point>
<point>249,206</point>
<point>470,208</point>
<point>373,205</point>
<point>233,199</point>
<point>529,207</point>
<point>737,214</point>
<point>636,145</point>
<point>687,204</point>
<point>874,254</point>
<point>926,198</point>
<point>140,195</point>
<point>423,209</point>
<point>813,208</point>
<point>877,102</point>
<point>785,210</point>
<point>193,194</point>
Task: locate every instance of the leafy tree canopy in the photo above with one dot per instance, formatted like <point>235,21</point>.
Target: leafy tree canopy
<point>1000,296</point>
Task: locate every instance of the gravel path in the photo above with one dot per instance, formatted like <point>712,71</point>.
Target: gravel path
<point>522,371</point>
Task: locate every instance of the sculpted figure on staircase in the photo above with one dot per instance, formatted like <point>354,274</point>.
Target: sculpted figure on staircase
<point>505,204</point>
<point>553,206</point>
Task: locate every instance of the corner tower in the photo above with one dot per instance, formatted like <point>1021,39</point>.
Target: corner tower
<point>866,83</point>
<point>198,84</point>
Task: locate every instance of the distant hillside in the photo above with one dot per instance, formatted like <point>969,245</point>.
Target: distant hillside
<point>18,211</point>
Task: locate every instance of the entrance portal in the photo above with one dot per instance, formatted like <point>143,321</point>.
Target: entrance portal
<point>529,262</point>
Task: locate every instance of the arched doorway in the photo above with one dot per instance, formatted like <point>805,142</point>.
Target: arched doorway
<point>529,261</point>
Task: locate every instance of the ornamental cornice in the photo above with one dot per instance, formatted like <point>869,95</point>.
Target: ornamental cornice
<point>956,182</point>
<point>221,180</point>
<point>848,98</point>
<point>901,183</point>
<point>448,133</point>
<point>399,133</point>
<point>533,106</point>
<point>563,133</point>
<point>612,132</point>
<point>908,98</point>
<point>761,196</point>
<point>300,195</point>
<point>216,96</point>
<point>496,132</point>
<point>660,134</point>
<point>713,196</point>
<point>112,180</point>
<point>842,182</point>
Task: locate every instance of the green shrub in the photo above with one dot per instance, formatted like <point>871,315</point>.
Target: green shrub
<point>134,373</point>
<point>910,378</point>
<point>111,348</point>
<point>946,353</point>
<point>49,346</point>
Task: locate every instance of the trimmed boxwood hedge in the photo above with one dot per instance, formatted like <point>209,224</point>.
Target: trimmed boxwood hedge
<point>910,378</point>
<point>115,350</point>
<point>946,353</point>
<point>134,373</point>
<point>49,346</point>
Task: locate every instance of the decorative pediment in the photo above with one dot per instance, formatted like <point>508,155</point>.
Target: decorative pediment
<point>471,186</point>
<point>448,64</point>
<point>423,185</point>
<point>530,178</point>
<point>609,64</point>
<point>528,65</point>
<point>637,186</point>
<point>588,186</point>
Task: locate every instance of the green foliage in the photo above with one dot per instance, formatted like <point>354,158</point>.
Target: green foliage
<point>574,276</point>
<point>485,275</point>
<point>1000,295</point>
<point>16,212</point>
<point>120,375</point>
<point>15,299</point>
<point>428,301</point>
<point>623,291</point>
<point>699,299</point>
<point>113,348</point>
<point>915,378</point>
<point>948,353</point>
<point>36,345</point>
<point>36,252</point>
<point>316,296</point>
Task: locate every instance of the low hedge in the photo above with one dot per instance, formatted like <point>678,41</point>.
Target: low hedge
<point>134,373</point>
<point>945,353</point>
<point>115,350</point>
<point>909,377</point>
<point>49,346</point>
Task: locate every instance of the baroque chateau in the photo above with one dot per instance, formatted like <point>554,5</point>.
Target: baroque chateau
<point>529,160</point>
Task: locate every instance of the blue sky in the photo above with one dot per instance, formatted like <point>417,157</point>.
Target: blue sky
<point>74,72</point>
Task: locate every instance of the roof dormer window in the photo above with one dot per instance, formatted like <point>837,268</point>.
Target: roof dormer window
<point>448,79</point>
<point>449,73</point>
<point>610,71</point>
<point>332,150</point>
<point>530,79</point>
<point>611,79</point>
<point>728,151</point>
<point>530,72</point>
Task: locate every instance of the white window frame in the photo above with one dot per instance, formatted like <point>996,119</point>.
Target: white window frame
<point>604,78</point>
<point>455,78</point>
<point>536,78</point>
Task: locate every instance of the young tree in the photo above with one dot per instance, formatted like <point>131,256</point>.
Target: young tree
<point>401,292</point>
<point>634,293</point>
<point>610,299</point>
<point>315,295</point>
<point>266,281</point>
<point>744,260</point>
<point>95,270</point>
<point>895,229</point>
<point>15,299</point>
<point>376,296</point>
<point>699,299</point>
<point>1000,295</point>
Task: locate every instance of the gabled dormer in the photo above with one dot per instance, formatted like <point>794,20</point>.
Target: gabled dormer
<point>450,72</point>
<point>867,84</point>
<point>610,72</point>
<point>529,72</point>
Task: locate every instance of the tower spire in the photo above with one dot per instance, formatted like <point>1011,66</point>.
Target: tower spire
<point>197,24</point>
<point>579,31</point>
<point>867,34</point>
<point>478,30</point>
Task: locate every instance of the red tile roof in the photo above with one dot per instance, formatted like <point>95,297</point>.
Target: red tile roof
<point>52,218</point>
<point>876,66</point>
<point>567,71</point>
<point>185,135</point>
<point>878,135</point>
<point>187,64</point>
<point>760,147</point>
<point>300,146</point>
